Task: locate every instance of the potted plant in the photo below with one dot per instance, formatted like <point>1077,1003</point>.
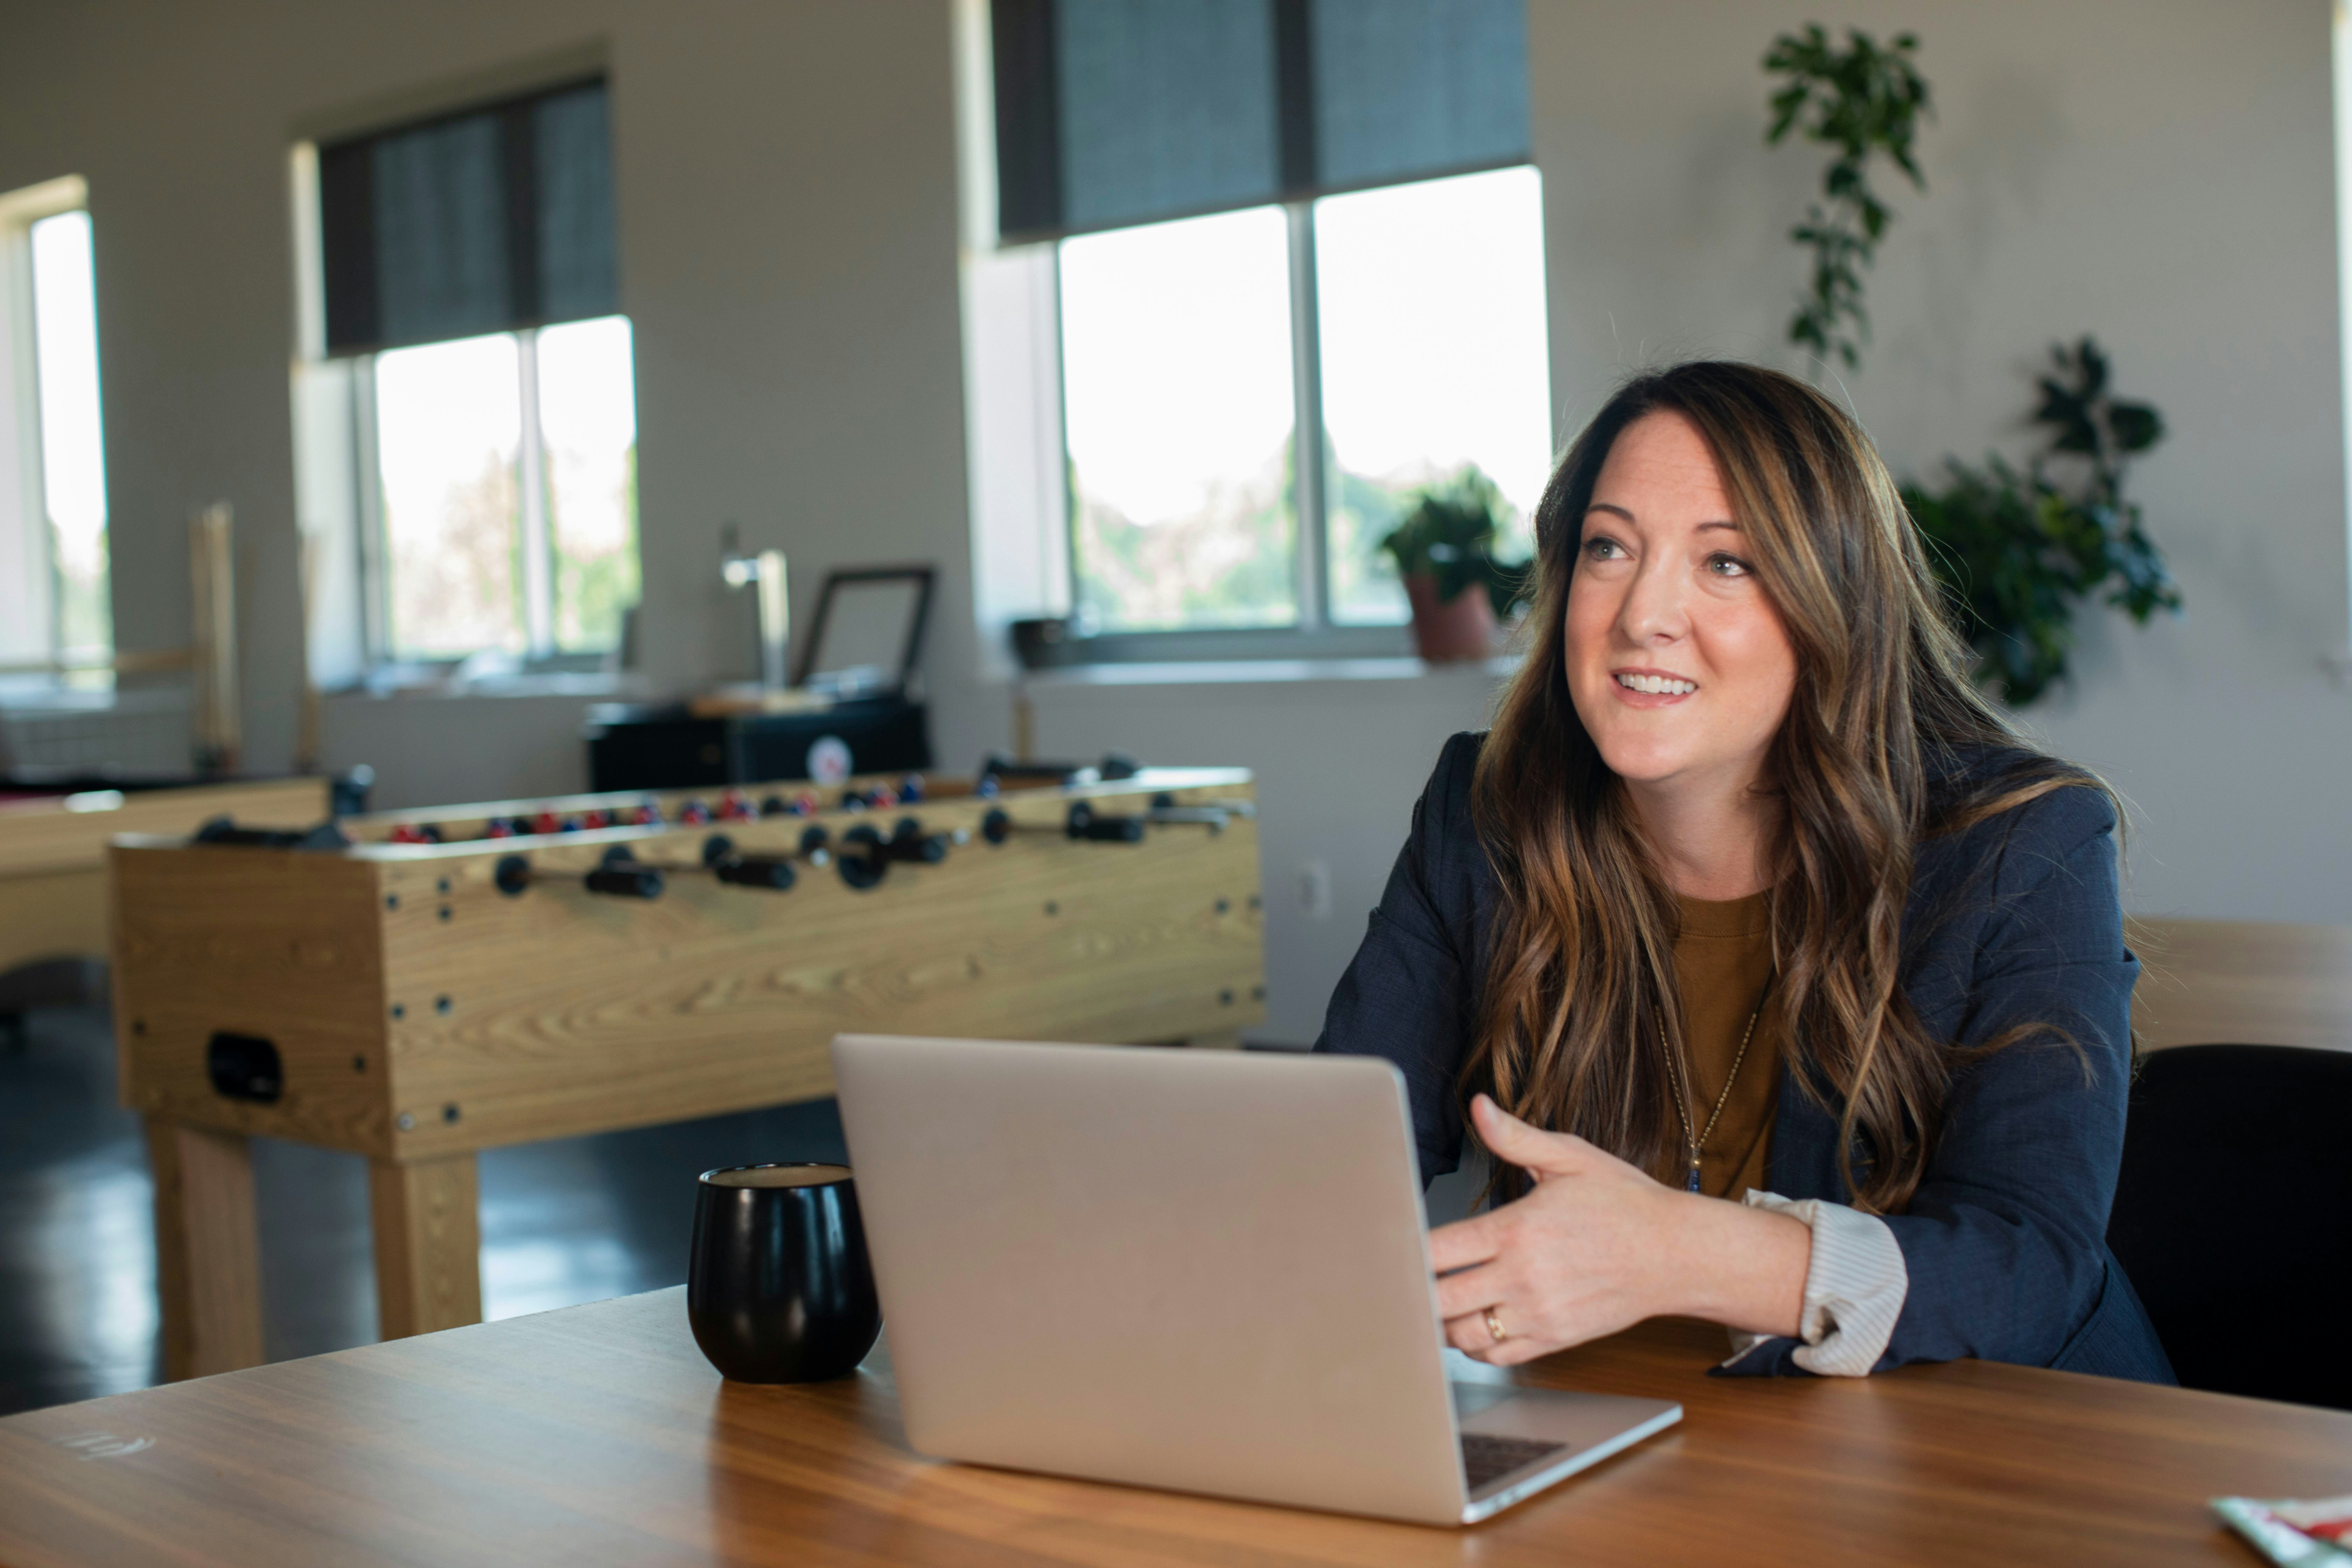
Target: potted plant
<point>2015,552</point>
<point>1443,550</point>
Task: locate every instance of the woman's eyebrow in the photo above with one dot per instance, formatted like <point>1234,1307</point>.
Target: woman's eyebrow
<point>1605,506</point>
<point>1702,527</point>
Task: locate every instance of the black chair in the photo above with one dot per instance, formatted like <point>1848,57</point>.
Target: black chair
<point>2234,1217</point>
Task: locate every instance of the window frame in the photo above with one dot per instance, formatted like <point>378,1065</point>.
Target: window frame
<point>1314,634</point>
<point>53,666</point>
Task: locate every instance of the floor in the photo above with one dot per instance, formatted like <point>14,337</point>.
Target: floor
<point>575,1220</point>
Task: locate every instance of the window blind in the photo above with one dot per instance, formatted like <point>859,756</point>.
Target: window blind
<point>1111,112</point>
<point>489,220</point>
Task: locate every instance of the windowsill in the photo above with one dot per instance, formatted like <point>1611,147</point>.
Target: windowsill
<point>49,699</point>
<point>1267,671</point>
<point>587,685</point>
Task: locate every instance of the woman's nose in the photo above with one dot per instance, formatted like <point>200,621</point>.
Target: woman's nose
<point>1653,610</point>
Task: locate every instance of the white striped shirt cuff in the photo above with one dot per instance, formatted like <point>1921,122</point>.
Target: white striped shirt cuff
<point>1855,1287</point>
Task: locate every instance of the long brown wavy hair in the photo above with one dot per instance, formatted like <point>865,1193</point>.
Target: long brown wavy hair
<point>1884,744</point>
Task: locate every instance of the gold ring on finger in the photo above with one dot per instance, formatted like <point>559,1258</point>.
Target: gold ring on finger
<point>1495,1327</point>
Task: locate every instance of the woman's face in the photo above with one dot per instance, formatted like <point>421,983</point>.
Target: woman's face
<point>1676,660</point>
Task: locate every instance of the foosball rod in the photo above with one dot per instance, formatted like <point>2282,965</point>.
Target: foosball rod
<point>864,857</point>
<point>1086,824</point>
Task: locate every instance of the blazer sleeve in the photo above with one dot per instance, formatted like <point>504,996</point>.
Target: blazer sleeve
<point>1409,993</point>
<point>2005,1238</point>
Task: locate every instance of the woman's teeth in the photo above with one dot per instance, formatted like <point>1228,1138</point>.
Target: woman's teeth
<point>1663,684</point>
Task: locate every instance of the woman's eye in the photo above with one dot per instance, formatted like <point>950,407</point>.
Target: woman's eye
<point>1603,549</point>
<point>1724,566</point>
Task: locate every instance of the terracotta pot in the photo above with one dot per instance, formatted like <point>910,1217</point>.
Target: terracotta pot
<point>1462,628</point>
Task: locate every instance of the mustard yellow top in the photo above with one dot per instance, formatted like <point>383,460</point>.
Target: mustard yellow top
<point>1723,961</point>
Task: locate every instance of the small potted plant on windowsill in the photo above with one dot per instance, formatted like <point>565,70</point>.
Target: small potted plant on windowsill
<point>1443,550</point>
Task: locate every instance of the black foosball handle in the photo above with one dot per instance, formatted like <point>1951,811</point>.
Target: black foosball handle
<point>864,857</point>
<point>909,842</point>
<point>756,871</point>
<point>623,882</point>
<point>617,878</point>
<point>1085,825</point>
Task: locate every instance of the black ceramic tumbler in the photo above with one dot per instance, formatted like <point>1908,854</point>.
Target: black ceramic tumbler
<point>779,1287</point>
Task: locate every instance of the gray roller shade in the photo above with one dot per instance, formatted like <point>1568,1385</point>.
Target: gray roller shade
<point>1113,112</point>
<point>489,220</point>
<point>1165,108</point>
<point>1414,88</point>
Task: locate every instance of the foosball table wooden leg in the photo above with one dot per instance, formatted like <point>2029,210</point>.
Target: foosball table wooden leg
<point>207,1250</point>
<point>428,1244</point>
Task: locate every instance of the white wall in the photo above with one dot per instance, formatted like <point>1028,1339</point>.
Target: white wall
<point>2160,175</point>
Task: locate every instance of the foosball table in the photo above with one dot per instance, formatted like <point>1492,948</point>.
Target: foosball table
<point>53,848</point>
<point>416,986</point>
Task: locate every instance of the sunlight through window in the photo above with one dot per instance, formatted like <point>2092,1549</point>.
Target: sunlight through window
<point>1431,304</point>
<point>588,419</point>
<point>450,419</point>
<point>73,455</point>
<point>1177,384</point>
<point>448,431</point>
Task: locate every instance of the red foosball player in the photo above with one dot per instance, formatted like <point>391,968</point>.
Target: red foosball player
<point>736,807</point>
<point>694,813</point>
<point>547,822</point>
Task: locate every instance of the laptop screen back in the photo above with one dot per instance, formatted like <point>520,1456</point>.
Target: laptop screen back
<point>1203,1271</point>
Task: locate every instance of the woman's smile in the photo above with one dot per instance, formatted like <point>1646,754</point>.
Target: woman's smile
<point>1652,688</point>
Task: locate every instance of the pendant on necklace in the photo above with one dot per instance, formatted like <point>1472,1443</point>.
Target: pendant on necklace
<point>1691,1185</point>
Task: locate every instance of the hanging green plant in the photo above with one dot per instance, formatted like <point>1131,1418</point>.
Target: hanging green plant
<point>1861,100</point>
<point>2015,552</point>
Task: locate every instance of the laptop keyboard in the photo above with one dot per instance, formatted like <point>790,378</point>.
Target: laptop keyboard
<point>1487,1459</point>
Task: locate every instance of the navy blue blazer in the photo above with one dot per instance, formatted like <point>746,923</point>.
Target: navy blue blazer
<point>2015,920</point>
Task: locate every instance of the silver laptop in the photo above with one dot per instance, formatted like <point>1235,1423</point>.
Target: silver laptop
<point>1207,1271</point>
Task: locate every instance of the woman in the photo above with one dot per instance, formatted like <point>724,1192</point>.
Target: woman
<point>1749,896</point>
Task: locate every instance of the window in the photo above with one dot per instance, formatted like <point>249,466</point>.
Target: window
<point>471,291</point>
<point>507,480</point>
<point>1434,356</point>
<point>1297,272</point>
<point>1178,408</point>
<point>55,615</point>
<point>1192,355</point>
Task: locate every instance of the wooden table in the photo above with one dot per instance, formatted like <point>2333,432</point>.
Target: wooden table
<point>2241,983</point>
<point>599,1434</point>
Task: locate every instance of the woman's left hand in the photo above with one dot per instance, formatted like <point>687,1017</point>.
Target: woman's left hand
<point>1598,1246</point>
<point>1572,1260</point>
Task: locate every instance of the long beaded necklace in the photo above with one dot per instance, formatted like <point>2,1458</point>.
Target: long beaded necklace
<point>1682,1087</point>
